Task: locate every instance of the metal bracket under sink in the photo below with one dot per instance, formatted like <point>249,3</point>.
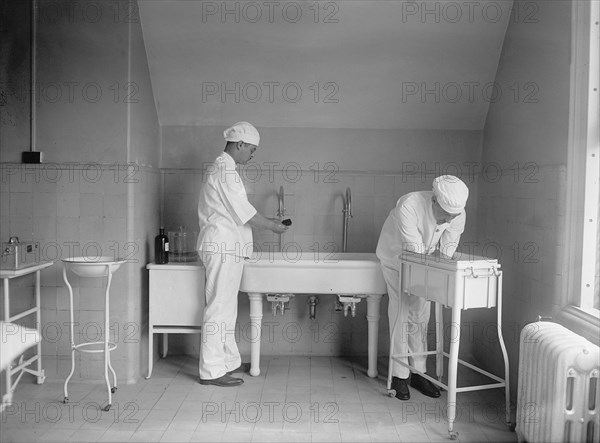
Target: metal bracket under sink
<point>279,301</point>
<point>348,303</point>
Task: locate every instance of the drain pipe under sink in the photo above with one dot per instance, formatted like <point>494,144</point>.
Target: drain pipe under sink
<point>313,301</point>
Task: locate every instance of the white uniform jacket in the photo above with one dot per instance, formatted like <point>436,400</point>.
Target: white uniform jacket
<point>223,210</point>
<point>411,226</point>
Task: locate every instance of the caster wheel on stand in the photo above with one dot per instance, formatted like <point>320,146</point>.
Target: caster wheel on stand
<point>113,390</point>
<point>453,435</point>
<point>66,400</point>
<point>391,392</point>
<point>107,407</point>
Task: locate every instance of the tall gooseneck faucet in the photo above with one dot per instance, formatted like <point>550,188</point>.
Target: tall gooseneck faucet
<point>347,215</point>
<point>281,213</point>
<point>281,210</point>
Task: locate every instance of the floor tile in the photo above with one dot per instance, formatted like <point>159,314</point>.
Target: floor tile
<point>304,399</point>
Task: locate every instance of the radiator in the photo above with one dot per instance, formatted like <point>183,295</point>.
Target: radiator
<point>558,391</point>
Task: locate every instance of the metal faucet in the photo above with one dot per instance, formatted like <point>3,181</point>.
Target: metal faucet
<point>281,210</point>
<point>280,214</point>
<point>347,215</point>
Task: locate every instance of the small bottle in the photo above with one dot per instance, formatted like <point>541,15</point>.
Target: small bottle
<point>161,248</point>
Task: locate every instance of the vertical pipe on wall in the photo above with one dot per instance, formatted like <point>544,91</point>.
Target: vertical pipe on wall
<point>134,234</point>
<point>32,95</point>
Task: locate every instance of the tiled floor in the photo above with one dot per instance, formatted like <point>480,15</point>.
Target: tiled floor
<point>294,399</point>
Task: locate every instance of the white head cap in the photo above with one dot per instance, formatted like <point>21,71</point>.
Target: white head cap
<point>242,131</point>
<point>451,193</point>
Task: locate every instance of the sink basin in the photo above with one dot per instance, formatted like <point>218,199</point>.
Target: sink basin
<point>93,266</point>
<point>313,273</point>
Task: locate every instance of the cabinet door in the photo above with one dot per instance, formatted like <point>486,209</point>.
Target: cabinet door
<point>177,297</point>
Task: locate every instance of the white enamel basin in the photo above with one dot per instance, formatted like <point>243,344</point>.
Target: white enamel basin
<point>313,273</point>
<point>93,266</point>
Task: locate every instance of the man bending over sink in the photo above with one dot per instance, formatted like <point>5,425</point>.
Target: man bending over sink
<point>226,220</point>
<point>426,222</point>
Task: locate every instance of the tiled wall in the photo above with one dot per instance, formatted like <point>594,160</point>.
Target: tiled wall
<point>314,202</point>
<point>143,206</point>
<point>523,220</point>
<point>74,210</point>
<point>524,212</point>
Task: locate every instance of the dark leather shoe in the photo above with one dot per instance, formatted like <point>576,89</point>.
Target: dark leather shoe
<point>226,381</point>
<point>424,386</point>
<point>244,368</point>
<point>400,385</point>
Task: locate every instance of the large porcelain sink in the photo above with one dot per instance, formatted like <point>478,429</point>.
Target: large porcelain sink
<point>357,275</point>
<point>93,266</point>
<point>313,273</point>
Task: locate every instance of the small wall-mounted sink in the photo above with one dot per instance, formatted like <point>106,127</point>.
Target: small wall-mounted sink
<point>93,266</point>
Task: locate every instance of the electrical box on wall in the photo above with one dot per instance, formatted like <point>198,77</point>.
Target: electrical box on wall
<point>32,157</point>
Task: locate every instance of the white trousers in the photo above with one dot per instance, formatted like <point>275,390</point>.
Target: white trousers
<point>408,316</point>
<point>219,353</point>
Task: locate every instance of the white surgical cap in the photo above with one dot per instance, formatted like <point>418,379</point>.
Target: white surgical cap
<point>451,193</point>
<point>242,131</point>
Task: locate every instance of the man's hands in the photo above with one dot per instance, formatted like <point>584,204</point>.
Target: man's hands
<point>273,224</point>
<point>278,227</point>
<point>438,254</point>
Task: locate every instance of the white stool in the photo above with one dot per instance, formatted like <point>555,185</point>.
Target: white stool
<point>25,337</point>
<point>93,267</point>
<point>457,284</point>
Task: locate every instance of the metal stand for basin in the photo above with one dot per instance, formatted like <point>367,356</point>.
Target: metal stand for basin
<point>107,345</point>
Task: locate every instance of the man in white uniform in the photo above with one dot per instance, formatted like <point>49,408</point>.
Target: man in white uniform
<point>226,220</point>
<point>426,222</point>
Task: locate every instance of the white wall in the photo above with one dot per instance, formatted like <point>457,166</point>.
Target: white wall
<point>524,211</point>
<point>378,166</point>
<point>83,199</point>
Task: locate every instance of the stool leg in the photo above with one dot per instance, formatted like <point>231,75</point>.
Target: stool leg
<point>452,371</point>
<point>389,377</point>
<point>71,332</point>
<point>439,334</point>
<point>107,328</point>
<point>391,359</point>
<point>7,398</point>
<point>503,347</point>
<point>114,374</point>
<point>106,333</point>
<point>38,320</point>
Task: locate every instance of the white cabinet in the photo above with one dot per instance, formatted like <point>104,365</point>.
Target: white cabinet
<point>176,302</point>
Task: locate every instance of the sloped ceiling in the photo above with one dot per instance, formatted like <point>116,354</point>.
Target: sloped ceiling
<point>342,64</point>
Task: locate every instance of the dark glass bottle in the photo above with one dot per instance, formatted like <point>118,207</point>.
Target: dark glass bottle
<point>161,248</point>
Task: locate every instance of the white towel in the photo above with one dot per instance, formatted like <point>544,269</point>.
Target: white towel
<point>14,340</point>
